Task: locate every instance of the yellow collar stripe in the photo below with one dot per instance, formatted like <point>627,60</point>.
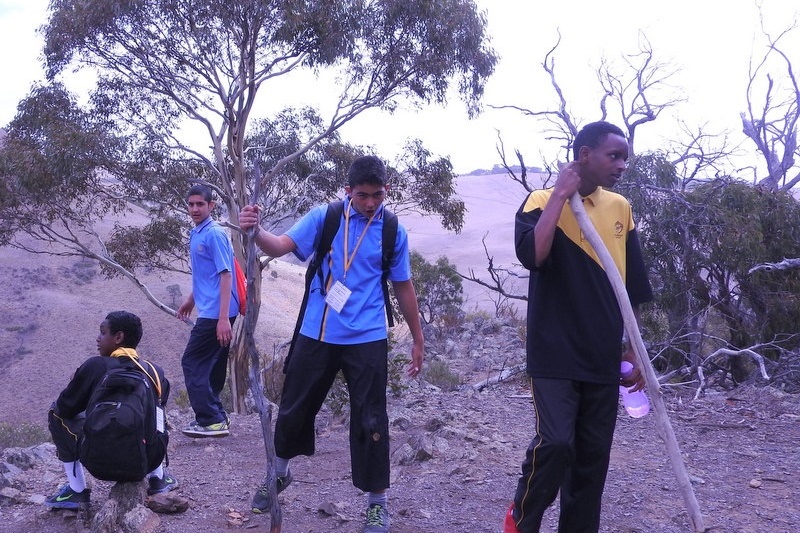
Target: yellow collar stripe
<point>125,352</point>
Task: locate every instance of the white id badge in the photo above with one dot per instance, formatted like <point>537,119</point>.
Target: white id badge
<point>337,296</point>
<point>160,419</point>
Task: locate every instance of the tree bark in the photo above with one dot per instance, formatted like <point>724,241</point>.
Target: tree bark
<point>124,511</point>
<point>653,388</point>
<point>253,271</point>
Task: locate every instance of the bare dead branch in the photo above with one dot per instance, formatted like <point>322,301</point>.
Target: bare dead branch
<point>638,96</point>
<point>727,354</point>
<point>786,264</point>
<point>700,153</point>
<point>498,276</point>
<point>772,124</point>
<point>561,125</point>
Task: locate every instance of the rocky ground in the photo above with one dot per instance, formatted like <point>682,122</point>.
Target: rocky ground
<point>455,453</point>
<point>455,460</point>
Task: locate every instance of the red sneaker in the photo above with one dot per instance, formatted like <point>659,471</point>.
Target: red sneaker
<point>509,526</point>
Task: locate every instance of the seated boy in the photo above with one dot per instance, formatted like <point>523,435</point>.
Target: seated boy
<point>120,333</point>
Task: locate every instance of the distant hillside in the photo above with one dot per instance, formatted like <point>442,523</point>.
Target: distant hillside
<point>52,306</point>
<point>498,169</point>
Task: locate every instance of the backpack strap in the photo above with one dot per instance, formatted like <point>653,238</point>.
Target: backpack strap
<point>153,377</point>
<point>333,217</point>
<point>388,239</point>
<point>156,380</point>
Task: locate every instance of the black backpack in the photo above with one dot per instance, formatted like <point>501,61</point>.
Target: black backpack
<point>121,439</point>
<point>333,218</point>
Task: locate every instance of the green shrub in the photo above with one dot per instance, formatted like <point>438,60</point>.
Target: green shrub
<point>181,398</point>
<point>438,286</point>
<point>226,397</point>
<point>438,373</point>
<point>397,366</point>
<point>338,399</point>
<point>272,377</point>
<point>476,315</point>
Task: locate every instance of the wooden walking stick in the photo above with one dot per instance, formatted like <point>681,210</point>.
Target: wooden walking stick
<point>256,387</point>
<point>653,388</point>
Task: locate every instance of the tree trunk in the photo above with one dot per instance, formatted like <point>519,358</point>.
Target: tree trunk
<point>124,511</point>
<point>632,329</point>
<point>239,363</point>
<point>249,350</point>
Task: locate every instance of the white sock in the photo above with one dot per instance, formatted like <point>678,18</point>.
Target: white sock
<point>157,472</point>
<point>74,471</point>
<point>281,466</point>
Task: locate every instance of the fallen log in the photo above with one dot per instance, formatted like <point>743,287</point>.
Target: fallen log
<point>503,375</point>
<point>728,353</point>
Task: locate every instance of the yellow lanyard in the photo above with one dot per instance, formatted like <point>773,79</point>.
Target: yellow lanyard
<point>349,261</point>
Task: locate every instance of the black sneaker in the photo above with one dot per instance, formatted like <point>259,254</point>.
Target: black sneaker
<point>377,519</point>
<point>157,485</point>
<point>261,503</point>
<point>66,498</point>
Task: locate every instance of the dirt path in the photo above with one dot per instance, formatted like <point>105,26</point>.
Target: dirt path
<point>740,448</point>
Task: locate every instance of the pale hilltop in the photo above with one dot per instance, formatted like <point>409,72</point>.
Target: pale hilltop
<point>52,306</point>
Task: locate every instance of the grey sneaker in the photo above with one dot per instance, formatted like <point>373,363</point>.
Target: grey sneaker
<point>261,502</point>
<point>214,430</point>
<point>377,519</point>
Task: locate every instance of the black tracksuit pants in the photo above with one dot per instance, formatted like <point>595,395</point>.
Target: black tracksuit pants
<point>570,452</point>
<point>310,373</point>
<point>66,432</point>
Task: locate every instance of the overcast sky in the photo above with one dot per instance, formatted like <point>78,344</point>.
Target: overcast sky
<point>707,42</point>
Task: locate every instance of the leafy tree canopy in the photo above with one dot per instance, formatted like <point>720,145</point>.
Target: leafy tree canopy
<point>161,63</point>
<point>700,244</point>
<point>165,66</point>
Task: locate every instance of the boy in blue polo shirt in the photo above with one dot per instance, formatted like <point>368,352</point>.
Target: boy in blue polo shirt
<point>344,328</point>
<point>205,359</point>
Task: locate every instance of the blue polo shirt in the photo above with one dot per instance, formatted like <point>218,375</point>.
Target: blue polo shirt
<point>363,317</point>
<point>210,253</point>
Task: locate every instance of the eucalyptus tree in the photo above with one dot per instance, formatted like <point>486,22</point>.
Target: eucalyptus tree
<point>167,72</point>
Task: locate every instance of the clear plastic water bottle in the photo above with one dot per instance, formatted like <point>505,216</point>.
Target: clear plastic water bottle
<point>636,403</point>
